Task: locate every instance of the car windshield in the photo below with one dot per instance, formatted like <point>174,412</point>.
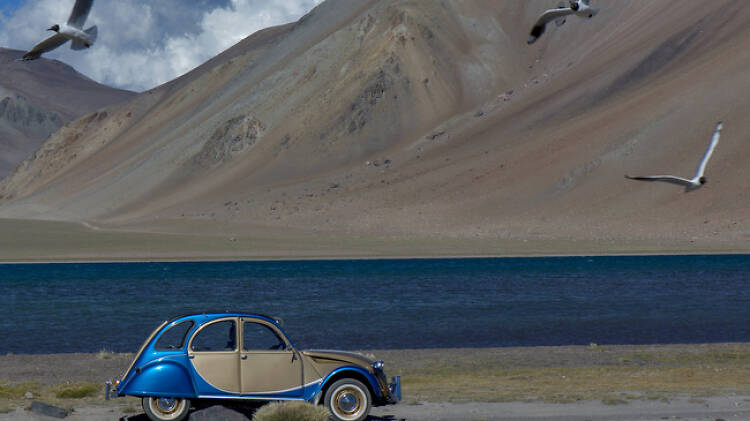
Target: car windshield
<point>257,337</point>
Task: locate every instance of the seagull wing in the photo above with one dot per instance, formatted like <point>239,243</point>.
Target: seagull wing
<point>665,178</point>
<point>80,13</point>
<point>709,151</point>
<point>48,44</point>
<point>546,17</point>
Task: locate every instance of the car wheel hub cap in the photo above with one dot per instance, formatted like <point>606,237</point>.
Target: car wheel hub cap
<point>166,405</point>
<point>348,402</point>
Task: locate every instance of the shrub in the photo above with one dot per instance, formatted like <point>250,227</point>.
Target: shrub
<point>18,391</point>
<point>78,391</point>
<point>291,411</point>
<point>104,355</point>
<point>613,400</point>
<point>9,392</point>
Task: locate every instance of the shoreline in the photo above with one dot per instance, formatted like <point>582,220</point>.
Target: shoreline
<point>368,258</point>
<point>453,349</point>
<point>621,382</point>
<point>31,241</point>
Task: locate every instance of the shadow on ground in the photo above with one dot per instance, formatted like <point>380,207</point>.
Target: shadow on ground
<point>247,412</point>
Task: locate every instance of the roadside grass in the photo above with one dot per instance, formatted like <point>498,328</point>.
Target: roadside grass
<point>642,375</point>
<point>614,375</point>
<point>66,395</point>
<point>78,391</point>
<point>17,391</point>
<point>611,385</point>
<point>291,411</point>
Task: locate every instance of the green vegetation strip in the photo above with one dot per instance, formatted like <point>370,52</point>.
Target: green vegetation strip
<point>611,374</point>
<point>608,384</point>
<point>78,391</point>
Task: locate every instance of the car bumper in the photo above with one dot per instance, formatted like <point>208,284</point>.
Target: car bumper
<point>110,392</point>
<point>394,390</point>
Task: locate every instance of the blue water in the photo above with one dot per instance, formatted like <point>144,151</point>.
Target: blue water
<point>377,304</point>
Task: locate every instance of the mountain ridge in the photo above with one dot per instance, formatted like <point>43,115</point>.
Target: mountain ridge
<point>37,98</point>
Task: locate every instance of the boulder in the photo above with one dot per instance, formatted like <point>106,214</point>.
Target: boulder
<point>42,408</point>
<point>217,413</point>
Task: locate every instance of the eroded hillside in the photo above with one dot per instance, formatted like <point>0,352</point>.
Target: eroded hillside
<point>37,98</point>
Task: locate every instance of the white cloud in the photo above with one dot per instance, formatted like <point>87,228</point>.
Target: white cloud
<point>144,43</point>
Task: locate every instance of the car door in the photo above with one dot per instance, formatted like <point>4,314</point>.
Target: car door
<point>269,365</point>
<point>214,353</point>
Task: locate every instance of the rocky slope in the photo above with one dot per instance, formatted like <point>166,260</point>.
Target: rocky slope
<point>418,117</point>
<point>37,98</point>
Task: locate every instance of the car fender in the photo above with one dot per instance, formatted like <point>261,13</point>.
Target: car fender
<point>166,377</point>
<point>352,372</point>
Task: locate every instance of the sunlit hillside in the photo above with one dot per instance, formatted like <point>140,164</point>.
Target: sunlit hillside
<point>423,119</point>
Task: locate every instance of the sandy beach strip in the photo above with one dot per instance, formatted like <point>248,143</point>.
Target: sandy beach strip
<point>31,241</point>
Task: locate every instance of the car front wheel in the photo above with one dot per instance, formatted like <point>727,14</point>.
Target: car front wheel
<point>348,400</point>
<point>166,409</point>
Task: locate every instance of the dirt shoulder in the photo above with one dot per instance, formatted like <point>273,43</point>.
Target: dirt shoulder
<point>557,383</point>
<point>683,409</point>
<point>708,409</point>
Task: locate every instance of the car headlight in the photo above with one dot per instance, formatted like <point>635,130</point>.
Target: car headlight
<point>378,365</point>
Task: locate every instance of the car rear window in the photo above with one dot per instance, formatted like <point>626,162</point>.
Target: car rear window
<point>174,337</point>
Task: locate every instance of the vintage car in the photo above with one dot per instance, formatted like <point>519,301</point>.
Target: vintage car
<point>247,357</point>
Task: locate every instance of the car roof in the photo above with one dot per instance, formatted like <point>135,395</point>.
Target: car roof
<point>217,314</point>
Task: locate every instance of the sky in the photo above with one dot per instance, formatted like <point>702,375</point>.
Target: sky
<point>144,43</point>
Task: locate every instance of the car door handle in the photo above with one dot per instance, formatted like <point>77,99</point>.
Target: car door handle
<point>191,356</point>
<point>244,357</point>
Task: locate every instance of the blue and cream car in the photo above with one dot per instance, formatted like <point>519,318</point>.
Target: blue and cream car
<point>247,357</point>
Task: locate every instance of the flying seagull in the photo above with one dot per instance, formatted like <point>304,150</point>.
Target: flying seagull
<point>73,31</point>
<point>699,179</point>
<point>581,8</point>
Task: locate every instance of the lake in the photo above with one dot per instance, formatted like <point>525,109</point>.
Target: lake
<point>387,304</point>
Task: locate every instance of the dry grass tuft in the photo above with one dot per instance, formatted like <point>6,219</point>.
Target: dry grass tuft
<point>18,391</point>
<point>78,391</point>
<point>105,355</point>
<point>291,411</point>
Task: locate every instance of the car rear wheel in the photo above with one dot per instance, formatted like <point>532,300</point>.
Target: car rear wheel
<point>166,409</point>
<point>348,400</point>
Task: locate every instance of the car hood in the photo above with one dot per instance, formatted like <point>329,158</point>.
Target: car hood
<point>340,356</point>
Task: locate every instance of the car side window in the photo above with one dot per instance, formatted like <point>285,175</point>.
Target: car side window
<point>259,337</point>
<point>216,337</point>
<point>174,337</point>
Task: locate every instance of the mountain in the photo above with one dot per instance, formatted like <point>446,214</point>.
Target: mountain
<point>37,98</point>
<point>429,119</point>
